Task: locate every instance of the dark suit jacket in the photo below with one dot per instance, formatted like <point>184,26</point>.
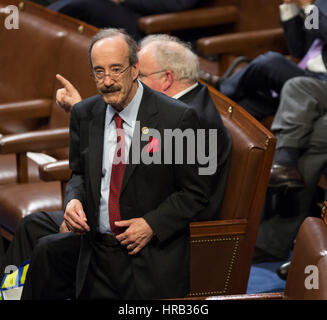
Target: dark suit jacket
<point>167,196</point>
<point>200,101</point>
<point>299,39</point>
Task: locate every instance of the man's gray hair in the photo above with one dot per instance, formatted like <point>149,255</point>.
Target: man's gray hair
<point>114,32</point>
<point>178,58</point>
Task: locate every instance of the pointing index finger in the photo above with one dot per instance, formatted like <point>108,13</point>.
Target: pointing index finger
<point>64,82</point>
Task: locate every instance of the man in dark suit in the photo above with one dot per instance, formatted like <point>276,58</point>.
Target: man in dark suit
<point>119,13</point>
<point>169,66</point>
<point>141,250</point>
<point>179,81</point>
<point>257,86</point>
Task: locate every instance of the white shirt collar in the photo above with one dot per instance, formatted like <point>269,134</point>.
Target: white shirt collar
<point>129,114</point>
<point>181,93</point>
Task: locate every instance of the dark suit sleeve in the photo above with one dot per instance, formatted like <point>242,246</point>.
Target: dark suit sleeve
<point>296,37</point>
<point>299,38</point>
<point>75,188</point>
<point>175,213</point>
<point>148,7</point>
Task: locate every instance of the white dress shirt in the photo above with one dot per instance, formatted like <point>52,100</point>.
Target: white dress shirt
<point>129,115</point>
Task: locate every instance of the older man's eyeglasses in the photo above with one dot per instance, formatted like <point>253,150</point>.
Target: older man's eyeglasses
<point>114,73</point>
<point>143,75</point>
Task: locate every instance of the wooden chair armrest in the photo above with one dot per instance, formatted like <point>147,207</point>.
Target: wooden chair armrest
<point>217,228</point>
<point>25,109</point>
<point>196,18</point>
<point>239,42</point>
<point>34,141</point>
<point>54,171</point>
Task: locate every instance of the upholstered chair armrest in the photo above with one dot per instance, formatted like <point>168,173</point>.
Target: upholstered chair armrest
<point>34,141</point>
<point>238,43</point>
<point>54,171</point>
<point>217,228</point>
<point>196,18</point>
<point>28,109</point>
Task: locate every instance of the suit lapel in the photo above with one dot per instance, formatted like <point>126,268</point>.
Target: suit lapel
<point>96,135</point>
<point>147,117</point>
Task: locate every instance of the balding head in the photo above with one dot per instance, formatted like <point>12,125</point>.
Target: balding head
<point>115,32</point>
<point>114,63</point>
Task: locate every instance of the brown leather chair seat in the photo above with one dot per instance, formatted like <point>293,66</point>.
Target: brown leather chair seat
<point>20,200</point>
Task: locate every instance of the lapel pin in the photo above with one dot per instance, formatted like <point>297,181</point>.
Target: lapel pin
<point>145,130</point>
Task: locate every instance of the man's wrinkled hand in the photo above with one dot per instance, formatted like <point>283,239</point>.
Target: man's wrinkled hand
<point>75,218</point>
<point>63,228</point>
<point>137,235</point>
<point>67,96</point>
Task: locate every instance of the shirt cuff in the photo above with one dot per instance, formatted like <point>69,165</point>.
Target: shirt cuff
<point>288,11</point>
<point>316,64</point>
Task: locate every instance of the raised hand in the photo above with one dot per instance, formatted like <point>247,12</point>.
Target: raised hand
<point>67,96</point>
